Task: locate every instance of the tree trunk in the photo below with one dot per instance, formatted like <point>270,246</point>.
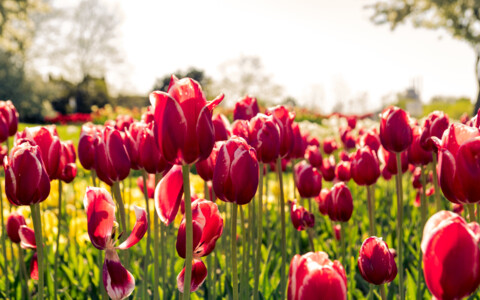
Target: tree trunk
<point>477,75</point>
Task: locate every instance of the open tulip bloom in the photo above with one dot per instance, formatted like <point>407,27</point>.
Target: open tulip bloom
<point>100,209</point>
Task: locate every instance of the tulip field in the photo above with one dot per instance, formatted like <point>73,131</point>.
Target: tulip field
<point>187,203</point>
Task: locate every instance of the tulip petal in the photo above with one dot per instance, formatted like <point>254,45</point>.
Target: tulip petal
<point>205,137</point>
<point>199,274</point>
<point>27,237</point>
<point>34,267</point>
<point>139,230</point>
<point>118,281</point>
<point>168,195</point>
<point>100,210</point>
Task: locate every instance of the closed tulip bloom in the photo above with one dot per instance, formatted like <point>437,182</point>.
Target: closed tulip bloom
<point>340,205</point>
<point>221,127</point>
<point>322,200</point>
<point>264,137</point>
<point>301,218</point>
<point>308,180</point>
<point>100,209</point>
<point>246,108</point>
<point>343,171</point>
<point>3,129</point>
<point>375,262</point>
<point>150,185</point>
<point>183,121</point>
<point>311,140</point>
<point>451,257</point>
<point>385,173</point>
<point>67,168</point>
<point>416,154</point>
<point>371,139</point>
<point>314,276</point>
<point>168,195</point>
<point>284,120</point>
<point>347,138</point>
<point>123,122</point>
<point>10,114</point>
<point>314,156</point>
<point>207,228</point>
<point>365,167</point>
<point>150,157</point>
<point>26,180</point>
<point>300,142</point>
<point>329,145</point>
<point>86,145</point>
<point>241,128</point>
<point>112,162</point>
<point>344,156</point>
<point>133,135</point>
<point>435,125</point>
<point>395,131</point>
<point>389,160</point>
<point>328,168</point>
<point>49,143</point>
<point>205,167</point>
<point>14,221</point>
<point>235,178</point>
<point>199,274</point>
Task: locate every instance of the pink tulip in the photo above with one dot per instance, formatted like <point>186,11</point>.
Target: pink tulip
<point>246,108</point>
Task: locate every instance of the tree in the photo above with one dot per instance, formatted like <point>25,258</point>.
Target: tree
<point>460,18</point>
<point>161,84</point>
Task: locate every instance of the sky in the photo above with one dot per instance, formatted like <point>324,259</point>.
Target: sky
<point>328,48</point>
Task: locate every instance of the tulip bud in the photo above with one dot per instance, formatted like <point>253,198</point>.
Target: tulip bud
<point>14,221</point>
<point>322,200</point>
<point>313,274</point>
<point>307,180</point>
<point>365,168</point>
<point>205,167</point>
<point>67,168</point>
<point>235,178</point>
<point>133,135</point>
<point>26,180</point>
<point>375,262</point>
<point>342,171</point>
<point>329,145</point>
<point>340,205</point>
<point>264,137</point>
<point>300,217</point>
<point>328,168</point>
<point>300,142</point>
<point>199,274</point>
<point>371,139</point>
<point>389,160</point>
<point>245,109</point>
<point>221,127</point>
<point>416,154</point>
<point>395,131</point>
<point>49,143</point>
<point>241,128</point>
<point>347,138</point>
<point>86,145</point>
<point>435,124</point>
<point>284,120</point>
<point>150,157</point>
<point>10,114</point>
<point>314,156</point>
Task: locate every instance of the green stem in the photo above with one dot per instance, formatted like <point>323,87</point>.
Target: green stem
<point>258,256</point>
<point>310,238</point>
<point>283,274</point>
<point>342,243</point>
<point>37,226</point>
<point>156,267</point>
<point>382,292</point>
<point>4,249</point>
<point>371,208</point>
<point>101,287</point>
<point>244,240</point>
<point>147,248</point>
<point>398,178</point>
<point>438,201</point>
<point>121,208</point>
<point>471,212</point>
<point>93,174</point>
<point>210,282</point>
<point>24,274</point>
<point>163,254</point>
<point>57,243</point>
<point>189,232</point>
<point>234,252</point>
<point>423,219</point>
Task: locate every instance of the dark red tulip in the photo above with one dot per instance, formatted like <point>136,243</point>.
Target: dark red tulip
<point>322,200</point>
<point>371,139</point>
<point>273,166</point>
<point>49,143</point>
<point>199,274</point>
<point>314,276</point>
<point>301,218</point>
<point>123,122</point>
<point>3,129</point>
<point>451,257</point>
<point>375,262</point>
<point>416,178</point>
<point>284,120</point>
<point>10,114</point>
<point>390,161</point>
<point>67,168</point>
<point>86,145</point>
<point>207,228</point>
<point>34,267</point>
<point>314,156</point>
<point>386,173</point>
<point>264,137</point>
<point>311,140</point>
<point>416,154</point>
<point>329,145</point>
<point>133,136</point>
<point>365,167</point>
<point>168,195</point>
<point>150,185</point>
<point>435,124</point>
<point>241,128</point>
<point>3,152</point>
<point>26,180</point>
<point>457,208</point>
<point>352,121</point>
<point>342,171</point>
<point>221,127</point>
<point>395,131</point>
<point>328,168</point>
<point>347,138</point>
<point>205,167</point>
<point>246,108</point>
<point>468,169</point>
<point>235,178</point>
<point>308,180</point>
<point>183,121</point>
<point>340,205</point>
<point>344,156</point>
<point>150,157</point>
<point>300,142</point>
<point>14,221</point>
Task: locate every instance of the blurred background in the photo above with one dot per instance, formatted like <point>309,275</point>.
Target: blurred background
<point>76,61</point>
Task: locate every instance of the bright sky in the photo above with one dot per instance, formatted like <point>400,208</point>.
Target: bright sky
<point>330,45</point>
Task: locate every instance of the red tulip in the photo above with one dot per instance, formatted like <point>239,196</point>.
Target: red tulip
<point>416,178</point>
<point>322,200</point>
<point>342,171</point>
<point>371,139</point>
<point>183,121</point>
<point>10,114</point>
<point>235,178</point>
<point>100,209</point>
<point>205,167</point>
<point>314,156</point>
<point>365,168</point>
<point>150,185</point>
<point>375,262</point>
<point>451,257</point>
<point>340,205</point>
<point>27,237</point>
<point>26,180</point>
<point>168,195</point>
<point>148,117</point>
<point>344,156</point>
<point>457,208</point>
<point>123,122</point>
<point>314,276</point>
<point>386,173</point>
<point>241,128</point>
<point>49,143</point>
<point>199,274</point>
<point>221,127</point>
<point>311,140</point>
<point>284,120</point>
<point>111,158</point>
<point>352,121</point>
<point>416,154</point>
<point>34,267</point>
<point>299,143</point>
<point>133,135</point>
<point>246,108</point>
<point>347,138</point>
<point>337,231</point>
<point>301,218</point>
<point>308,180</point>
<point>86,145</point>
<point>67,168</point>
<point>329,145</point>
<point>150,157</point>
<point>328,168</point>
<point>390,161</point>
<point>14,221</point>
<point>395,131</point>
<point>207,228</point>
<point>435,124</point>
<point>264,137</point>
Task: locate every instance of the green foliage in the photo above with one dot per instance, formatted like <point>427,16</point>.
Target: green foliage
<point>454,109</point>
<point>91,91</point>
